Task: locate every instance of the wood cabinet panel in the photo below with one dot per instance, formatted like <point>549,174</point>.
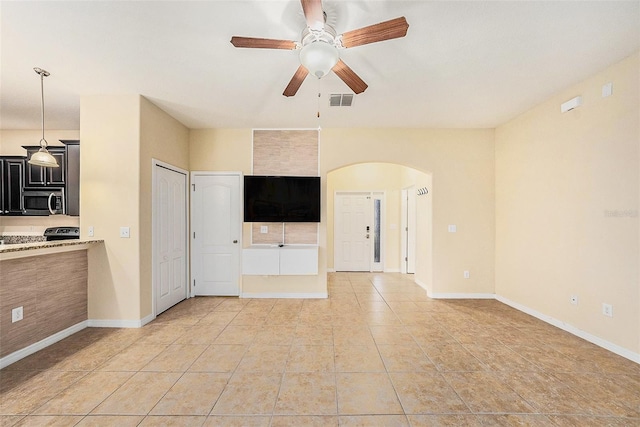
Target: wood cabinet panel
<point>12,172</point>
<point>38,176</point>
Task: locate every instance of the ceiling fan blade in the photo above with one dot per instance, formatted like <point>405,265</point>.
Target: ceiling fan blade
<point>313,13</point>
<point>386,30</point>
<point>348,76</point>
<point>296,81</point>
<point>253,42</point>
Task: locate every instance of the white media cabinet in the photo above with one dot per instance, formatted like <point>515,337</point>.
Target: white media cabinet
<point>294,260</point>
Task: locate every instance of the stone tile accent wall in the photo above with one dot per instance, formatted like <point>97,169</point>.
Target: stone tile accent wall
<point>273,235</point>
<point>285,153</point>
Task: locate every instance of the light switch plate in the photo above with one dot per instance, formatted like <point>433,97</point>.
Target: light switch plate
<point>607,90</point>
<point>125,232</point>
<point>90,231</point>
<point>452,228</point>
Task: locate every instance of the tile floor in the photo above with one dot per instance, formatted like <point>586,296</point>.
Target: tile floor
<point>377,352</point>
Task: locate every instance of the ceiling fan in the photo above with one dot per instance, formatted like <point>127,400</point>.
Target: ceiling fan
<point>320,44</point>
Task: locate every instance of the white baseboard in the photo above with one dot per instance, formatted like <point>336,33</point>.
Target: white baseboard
<point>112,323</point>
<point>323,295</point>
<point>422,285</point>
<point>29,350</point>
<point>331,270</point>
<point>460,296</point>
<point>614,348</point>
<point>391,270</point>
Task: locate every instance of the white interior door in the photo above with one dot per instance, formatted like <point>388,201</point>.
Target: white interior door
<point>169,237</point>
<point>352,216</point>
<point>216,234</point>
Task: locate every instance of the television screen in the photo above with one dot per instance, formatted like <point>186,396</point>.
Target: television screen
<point>281,198</point>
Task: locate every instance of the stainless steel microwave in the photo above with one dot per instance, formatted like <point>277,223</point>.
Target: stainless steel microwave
<point>43,202</point>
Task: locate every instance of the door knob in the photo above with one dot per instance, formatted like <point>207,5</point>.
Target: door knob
<point>235,241</point>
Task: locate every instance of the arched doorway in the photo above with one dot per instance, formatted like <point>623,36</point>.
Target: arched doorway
<point>387,183</point>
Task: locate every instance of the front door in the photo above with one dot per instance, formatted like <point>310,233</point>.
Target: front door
<point>169,237</point>
<point>216,234</point>
<point>352,232</point>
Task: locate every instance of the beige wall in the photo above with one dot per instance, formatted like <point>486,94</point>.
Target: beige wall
<point>461,164</point>
<point>231,150</point>
<point>220,150</point>
<point>11,141</point>
<point>120,136</point>
<point>162,138</point>
<point>109,199</point>
<point>567,191</point>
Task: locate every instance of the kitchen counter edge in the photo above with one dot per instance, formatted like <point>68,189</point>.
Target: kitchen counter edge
<point>22,250</point>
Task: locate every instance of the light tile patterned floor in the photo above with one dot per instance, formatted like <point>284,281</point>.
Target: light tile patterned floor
<point>377,352</point>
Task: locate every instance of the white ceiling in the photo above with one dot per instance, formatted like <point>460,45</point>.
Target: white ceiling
<point>462,64</point>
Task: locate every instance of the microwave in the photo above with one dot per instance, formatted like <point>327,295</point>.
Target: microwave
<point>43,202</point>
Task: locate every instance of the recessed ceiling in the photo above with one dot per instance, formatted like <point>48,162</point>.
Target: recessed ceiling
<point>461,65</point>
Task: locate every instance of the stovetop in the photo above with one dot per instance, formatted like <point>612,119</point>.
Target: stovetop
<point>62,233</point>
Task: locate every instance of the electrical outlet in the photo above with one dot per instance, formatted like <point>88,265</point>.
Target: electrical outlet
<point>17,314</point>
<point>125,232</point>
<point>607,310</point>
<point>264,229</point>
<point>90,231</point>
<point>574,299</point>
<point>452,228</point>
<point>466,274</point>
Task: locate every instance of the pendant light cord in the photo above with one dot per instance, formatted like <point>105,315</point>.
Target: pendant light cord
<point>319,127</point>
<point>43,73</point>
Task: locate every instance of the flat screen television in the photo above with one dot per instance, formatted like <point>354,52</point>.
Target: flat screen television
<point>281,198</point>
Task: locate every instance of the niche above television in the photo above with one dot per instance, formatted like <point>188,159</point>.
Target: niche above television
<point>281,198</point>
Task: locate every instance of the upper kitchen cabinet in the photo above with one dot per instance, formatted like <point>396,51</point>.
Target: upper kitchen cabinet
<point>12,172</point>
<point>38,176</point>
<point>72,178</point>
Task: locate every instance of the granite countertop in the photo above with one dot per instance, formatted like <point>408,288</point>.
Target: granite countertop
<point>24,247</point>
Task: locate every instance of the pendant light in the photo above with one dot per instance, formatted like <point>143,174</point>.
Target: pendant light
<point>42,157</point>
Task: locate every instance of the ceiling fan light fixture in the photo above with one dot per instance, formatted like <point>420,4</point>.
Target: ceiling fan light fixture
<point>319,57</point>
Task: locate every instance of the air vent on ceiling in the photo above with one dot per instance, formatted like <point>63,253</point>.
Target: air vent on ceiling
<point>340,100</point>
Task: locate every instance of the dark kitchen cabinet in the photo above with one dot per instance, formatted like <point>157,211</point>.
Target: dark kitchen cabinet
<point>73,176</point>
<point>38,176</point>
<point>12,172</point>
